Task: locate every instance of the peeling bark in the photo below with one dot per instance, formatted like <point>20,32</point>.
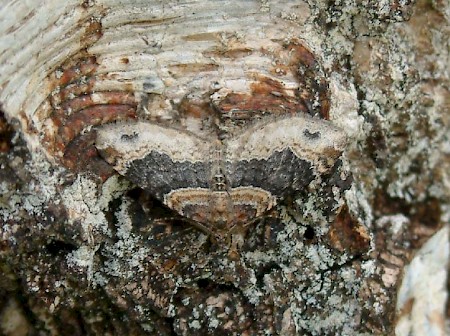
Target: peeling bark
<point>84,251</point>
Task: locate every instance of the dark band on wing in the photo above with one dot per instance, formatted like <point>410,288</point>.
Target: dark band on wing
<point>159,174</point>
<point>281,173</point>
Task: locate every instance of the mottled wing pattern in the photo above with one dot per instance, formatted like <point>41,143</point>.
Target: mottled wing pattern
<point>156,158</point>
<point>284,155</point>
<point>222,184</point>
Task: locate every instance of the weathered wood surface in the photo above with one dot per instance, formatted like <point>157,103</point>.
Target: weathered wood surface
<point>85,251</point>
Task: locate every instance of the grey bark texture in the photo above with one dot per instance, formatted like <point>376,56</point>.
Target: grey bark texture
<point>361,248</point>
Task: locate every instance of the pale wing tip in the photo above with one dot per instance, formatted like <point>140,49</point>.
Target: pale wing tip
<point>116,142</point>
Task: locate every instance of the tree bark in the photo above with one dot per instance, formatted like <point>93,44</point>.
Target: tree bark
<point>353,238</point>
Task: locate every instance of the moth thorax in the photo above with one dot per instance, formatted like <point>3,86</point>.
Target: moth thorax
<point>219,182</point>
<point>218,179</point>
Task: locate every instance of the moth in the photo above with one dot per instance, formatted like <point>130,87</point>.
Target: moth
<point>223,184</point>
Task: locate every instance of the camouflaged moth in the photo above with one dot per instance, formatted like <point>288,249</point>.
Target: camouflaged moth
<point>223,184</point>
